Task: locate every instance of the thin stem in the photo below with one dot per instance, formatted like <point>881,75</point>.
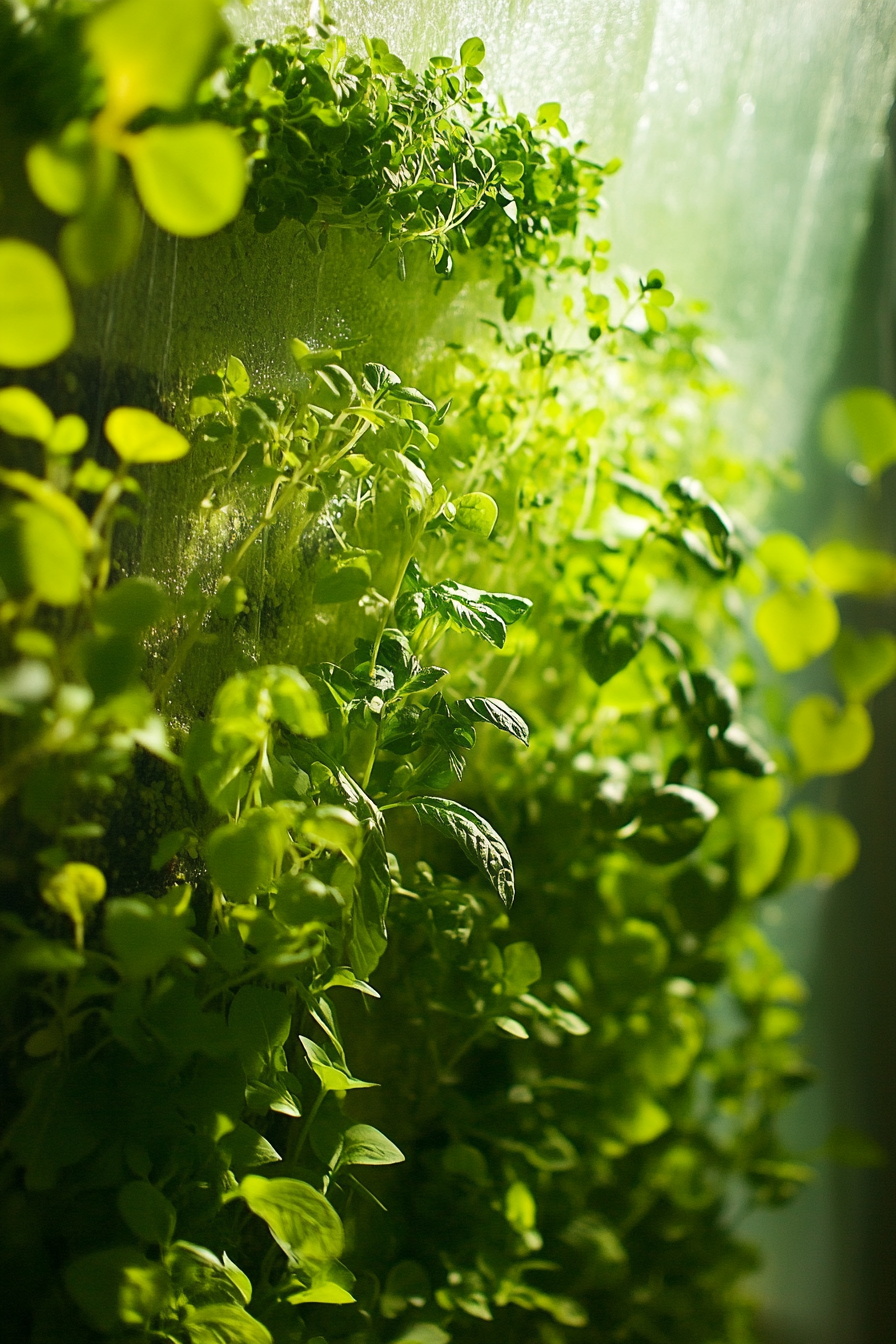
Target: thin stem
<point>296,1144</point>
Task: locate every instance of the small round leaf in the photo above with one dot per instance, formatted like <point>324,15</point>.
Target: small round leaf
<point>191,179</point>
<point>36,318</point>
<point>140,436</point>
<point>24,415</point>
<point>830,740</point>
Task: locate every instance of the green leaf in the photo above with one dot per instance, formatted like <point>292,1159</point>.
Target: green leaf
<point>24,415</point>
<point>673,821</point>
<point>522,968</point>
<point>785,557</point>
<point>844,568</point>
<point>104,239</point>
<point>472,52</point>
<point>365,1146</point>
<point>330,1293</point>
<point>237,376</point>
<point>74,891</point>
<point>117,1287</point>
<point>224,1323</point>
<point>480,841</point>
<point>259,1022</point>
<point>476,513</point>
<point>139,436</point>
<point>612,641</point>
<point>640,1119</point>
<point>519,1207</point>
<point>36,318</point>
<point>38,554</point>
<point>864,664</point>
<point>334,828</point>
<point>829,740</point>
<point>301,1221</point>
<point>190,179</point>
<point>412,395</point>
<point>761,853</point>
<point>548,114</point>
<point>69,436</point>
<point>486,709</point>
<point>58,169</point>
<point>147,1212</point>
<point>332,1073</point>
<point>152,53</point>
<point>143,935</point>
<point>244,857</point>
<point>826,845</point>
<point>245,1149</point>
<point>342,579</point>
<point>860,426</point>
<point>796,627</point>
<point>132,606</point>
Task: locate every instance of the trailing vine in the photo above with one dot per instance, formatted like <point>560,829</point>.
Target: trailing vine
<point>415,990</point>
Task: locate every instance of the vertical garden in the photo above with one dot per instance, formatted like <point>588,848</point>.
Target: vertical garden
<point>395,738</point>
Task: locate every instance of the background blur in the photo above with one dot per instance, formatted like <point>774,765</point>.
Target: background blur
<point>758,175</point>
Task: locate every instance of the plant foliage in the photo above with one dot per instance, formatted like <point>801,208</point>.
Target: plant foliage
<point>519,803</point>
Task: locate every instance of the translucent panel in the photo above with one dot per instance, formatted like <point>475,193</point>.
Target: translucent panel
<point>751,131</point>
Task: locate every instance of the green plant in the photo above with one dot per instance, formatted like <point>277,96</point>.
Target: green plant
<point>562,1093</point>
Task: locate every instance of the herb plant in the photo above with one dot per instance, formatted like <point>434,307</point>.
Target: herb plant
<point>455,872</point>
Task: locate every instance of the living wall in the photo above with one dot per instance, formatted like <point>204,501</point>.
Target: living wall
<point>380,951</point>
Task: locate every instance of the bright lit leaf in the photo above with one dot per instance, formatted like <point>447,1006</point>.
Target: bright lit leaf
<point>796,627</point>
<point>191,179</point>
<point>24,415</point>
<point>829,740</point>
<point>152,53</point>
<point>139,436</point>
<point>864,664</point>
<point>844,568</point>
<point>36,318</point>
<point>860,426</point>
<point>476,513</point>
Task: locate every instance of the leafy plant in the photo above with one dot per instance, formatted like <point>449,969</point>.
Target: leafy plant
<point>513,661</point>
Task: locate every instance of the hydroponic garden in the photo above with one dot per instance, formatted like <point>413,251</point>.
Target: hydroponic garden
<point>393,760</point>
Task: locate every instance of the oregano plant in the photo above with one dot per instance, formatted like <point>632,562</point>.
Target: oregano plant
<point>380,954</point>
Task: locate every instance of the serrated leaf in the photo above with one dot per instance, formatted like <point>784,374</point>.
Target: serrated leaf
<point>477,838</point>
<point>486,709</point>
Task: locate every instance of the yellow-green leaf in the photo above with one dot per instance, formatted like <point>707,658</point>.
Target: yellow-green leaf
<point>761,853</point>
<point>785,557</point>
<point>829,740</point>
<point>845,568</point>
<point>23,414</point>
<point>103,240</point>
<point>36,319</point>
<point>796,627</point>
<point>302,1222</point>
<point>140,436</point>
<point>860,426</point>
<point>827,845</point>
<point>69,436</point>
<point>864,664</point>
<point>152,53</point>
<point>58,170</point>
<point>74,890</point>
<point>191,179</point>
<point>476,512</point>
<point>54,501</point>
<point>39,555</point>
